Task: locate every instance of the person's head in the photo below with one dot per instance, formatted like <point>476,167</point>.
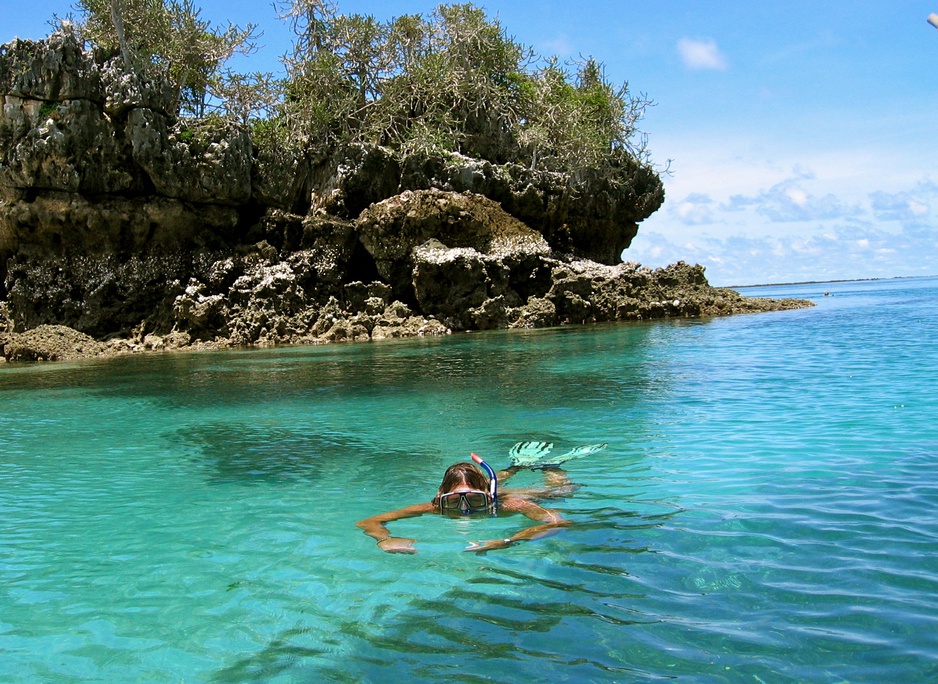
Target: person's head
<point>461,488</point>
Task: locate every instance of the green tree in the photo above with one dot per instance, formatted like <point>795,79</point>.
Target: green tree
<point>319,101</point>
<point>168,38</point>
<point>451,82</point>
<point>608,115</point>
<point>549,112</point>
<point>458,76</point>
<point>247,97</point>
<point>582,122</point>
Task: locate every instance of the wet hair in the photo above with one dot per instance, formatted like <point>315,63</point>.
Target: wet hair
<point>461,475</point>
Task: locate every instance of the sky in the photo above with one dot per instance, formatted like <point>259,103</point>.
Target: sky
<point>796,140</point>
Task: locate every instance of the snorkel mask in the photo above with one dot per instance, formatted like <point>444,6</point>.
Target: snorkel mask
<point>472,501</point>
<point>466,502</point>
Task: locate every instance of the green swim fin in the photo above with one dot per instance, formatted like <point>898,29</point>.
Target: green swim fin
<point>526,454</point>
<point>577,452</point>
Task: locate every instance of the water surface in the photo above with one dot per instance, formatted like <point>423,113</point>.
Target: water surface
<point>766,510</point>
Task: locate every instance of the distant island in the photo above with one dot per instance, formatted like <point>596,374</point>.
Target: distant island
<point>829,282</point>
<point>416,177</point>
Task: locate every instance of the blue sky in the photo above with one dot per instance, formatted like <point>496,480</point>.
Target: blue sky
<point>801,135</point>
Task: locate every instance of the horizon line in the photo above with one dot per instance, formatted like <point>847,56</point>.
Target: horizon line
<point>824,282</point>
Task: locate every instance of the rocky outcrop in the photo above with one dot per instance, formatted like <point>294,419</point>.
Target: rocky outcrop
<point>75,122</point>
<point>126,228</point>
<point>391,231</point>
<point>593,215</point>
<point>50,343</point>
<point>204,161</point>
<point>258,299</point>
<point>92,159</point>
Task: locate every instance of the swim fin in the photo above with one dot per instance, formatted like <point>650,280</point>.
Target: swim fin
<point>577,452</point>
<point>537,454</point>
<point>526,454</point>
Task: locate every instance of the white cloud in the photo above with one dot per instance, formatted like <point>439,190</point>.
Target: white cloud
<point>789,201</point>
<point>701,54</point>
<point>850,251</point>
<point>913,205</point>
<point>694,210</point>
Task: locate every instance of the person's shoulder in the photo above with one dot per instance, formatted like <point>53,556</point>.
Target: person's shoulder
<point>515,503</point>
<point>529,508</point>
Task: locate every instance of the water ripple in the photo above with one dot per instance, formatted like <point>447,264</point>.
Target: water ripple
<point>766,510</point>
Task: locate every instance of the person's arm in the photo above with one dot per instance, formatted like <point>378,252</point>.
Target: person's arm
<point>506,474</point>
<point>549,522</point>
<point>375,527</point>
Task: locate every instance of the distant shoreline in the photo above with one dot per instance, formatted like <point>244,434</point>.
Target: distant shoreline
<point>827,282</point>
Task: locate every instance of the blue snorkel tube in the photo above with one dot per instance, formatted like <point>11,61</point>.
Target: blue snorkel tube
<point>493,479</point>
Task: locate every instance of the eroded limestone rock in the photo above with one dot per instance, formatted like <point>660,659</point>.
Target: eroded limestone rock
<point>50,70</point>
<point>391,231</point>
<point>50,343</point>
<point>592,215</point>
<point>131,225</point>
<point>205,162</point>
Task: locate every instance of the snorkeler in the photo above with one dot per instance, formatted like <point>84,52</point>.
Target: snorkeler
<point>465,490</point>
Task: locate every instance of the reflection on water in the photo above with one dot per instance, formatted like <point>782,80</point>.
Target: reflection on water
<point>766,510</point>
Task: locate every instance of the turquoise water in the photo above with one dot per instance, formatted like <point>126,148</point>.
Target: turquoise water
<point>766,510</point>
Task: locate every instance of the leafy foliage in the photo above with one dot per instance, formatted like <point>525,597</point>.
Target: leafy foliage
<point>452,82</point>
<point>168,38</point>
<point>581,122</point>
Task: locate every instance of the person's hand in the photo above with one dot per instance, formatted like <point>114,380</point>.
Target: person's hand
<point>397,545</point>
<point>490,545</point>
